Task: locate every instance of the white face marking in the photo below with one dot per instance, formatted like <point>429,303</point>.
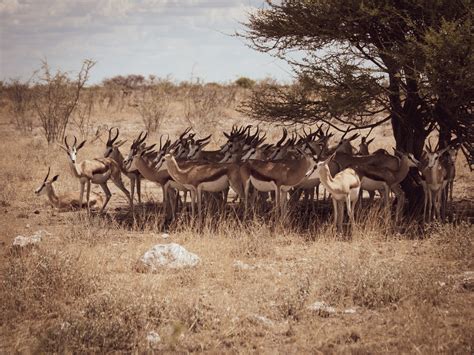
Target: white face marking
<point>107,152</point>
<point>432,159</point>
<point>40,190</point>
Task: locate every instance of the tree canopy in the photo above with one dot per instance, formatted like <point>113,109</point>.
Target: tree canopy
<point>412,59</point>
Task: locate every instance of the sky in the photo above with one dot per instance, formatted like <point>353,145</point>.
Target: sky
<point>184,39</point>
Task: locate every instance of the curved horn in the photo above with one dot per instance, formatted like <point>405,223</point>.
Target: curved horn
<point>65,142</point>
<point>184,133</point>
<point>47,175</point>
<point>285,133</point>
<point>347,131</point>
<point>200,141</point>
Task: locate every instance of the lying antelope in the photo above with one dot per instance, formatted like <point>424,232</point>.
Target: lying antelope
<point>64,201</point>
<point>96,171</point>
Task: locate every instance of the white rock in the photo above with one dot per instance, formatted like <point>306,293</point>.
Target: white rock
<point>350,311</point>
<point>42,232</point>
<point>171,255</point>
<point>165,235</point>
<point>263,320</point>
<point>22,241</point>
<point>243,266</point>
<point>322,307</point>
<point>153,339</point>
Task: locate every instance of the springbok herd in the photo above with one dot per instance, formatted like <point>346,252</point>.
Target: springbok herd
<point>287,169</point>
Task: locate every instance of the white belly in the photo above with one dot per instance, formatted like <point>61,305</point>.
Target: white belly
<point>215,186</point>
<point>100,178</point>
<point>354,193</point>
<point>264,186</point>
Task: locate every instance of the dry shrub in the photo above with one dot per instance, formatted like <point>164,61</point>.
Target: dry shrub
<point>153,105</point>
<point>454,242</point>
<point>105,322</point>
<point>204,105</point>
<point>95,229</point>
<point>359,276</point>
<point>43,283</point>
<point>292,300</point>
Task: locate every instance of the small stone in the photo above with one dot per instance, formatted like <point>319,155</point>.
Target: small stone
<point>153,339</point>
<point>36,212</point>
<point>165,235</point>
<point>243,266</point>
<point>28,226</point>
<point>350,311</point>
<point>22,241</point>
<point>322,309</point>
<point>264,320</point>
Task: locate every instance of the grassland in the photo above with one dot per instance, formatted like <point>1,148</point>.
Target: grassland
<point>79,291</point>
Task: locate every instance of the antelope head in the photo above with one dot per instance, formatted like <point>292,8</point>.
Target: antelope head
<point>137,145</point>
<point>433,155</point>
<point>73,149</point>
<point>46,186</point>
<point>112,142</point>
<point>410,158</point>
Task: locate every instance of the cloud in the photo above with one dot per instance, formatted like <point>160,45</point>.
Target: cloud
<point>127,36</point>
<point>9,6</point>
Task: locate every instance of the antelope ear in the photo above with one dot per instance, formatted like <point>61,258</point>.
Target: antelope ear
<point>55,178</point>
<point>62,147</point>
<point>120,143</point>
<point>370,140</point>
<point>300,151</point>
<point>81,145</point>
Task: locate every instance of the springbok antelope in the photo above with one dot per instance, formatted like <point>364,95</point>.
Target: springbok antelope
<point>64,201</point>
<point>344,188</point>
<point>96,171</point>
<point>277,176</point>
<point>112,151</point>
<point>199,177</point>
<point>154,170</point>
<point>392,178</point>
<point>449,163</point>
<point>435,182</point>
<point>367,184</point>
<point>364,143</point>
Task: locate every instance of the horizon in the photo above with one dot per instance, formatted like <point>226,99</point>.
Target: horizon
<point>184,40</point>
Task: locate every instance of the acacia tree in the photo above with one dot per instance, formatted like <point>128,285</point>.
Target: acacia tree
<point>412,59</point>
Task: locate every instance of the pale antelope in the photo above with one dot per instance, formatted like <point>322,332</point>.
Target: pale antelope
<point>64,201</point>
<point>112,151</point>
<point>344,188</point>
<point>434,184</point>
<point>96,171</point>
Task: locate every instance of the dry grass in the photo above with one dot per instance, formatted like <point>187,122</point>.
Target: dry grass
<point>79,290</point>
